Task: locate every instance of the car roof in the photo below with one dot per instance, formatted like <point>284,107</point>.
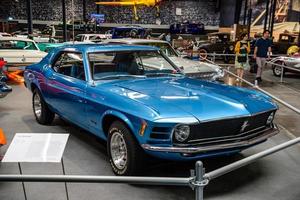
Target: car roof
<point>15,38</point>
<point>129,27</point>
<point>107,47</point>
<point>133,41</point>
<point>90,34</point>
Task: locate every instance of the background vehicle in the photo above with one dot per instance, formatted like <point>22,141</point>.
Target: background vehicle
<point>191,68</point>
<point>19,51</point>
<point>141,107</point>
<point>187,28</point>
<point>284,42</point>
<point>129,32</point>
<point>91,37</point>
<point>292,62</point>
<point>217,42</point>
<point>4,88</point>
<point>5,34</point>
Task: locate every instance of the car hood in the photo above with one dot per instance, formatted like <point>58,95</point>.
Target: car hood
<point>192,66</point>
<point>201,99</point>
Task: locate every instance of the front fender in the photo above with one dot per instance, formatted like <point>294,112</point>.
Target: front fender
<point>119,115</point>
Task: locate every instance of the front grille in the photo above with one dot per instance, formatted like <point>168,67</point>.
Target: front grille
<point>227,129</point>
<point>160,133</point>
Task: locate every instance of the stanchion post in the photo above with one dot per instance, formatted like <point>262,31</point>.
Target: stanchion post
<point>281,75</point>
<point>23,184</point>
<point>199,180</point>
<point>64,173</point>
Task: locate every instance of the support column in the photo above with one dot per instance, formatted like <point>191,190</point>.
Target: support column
<point>64,20</point>
<point>84,13</point>
<point>245,12</point>
<point>98,9</point>
<point>273,17</point>
<point>29,17</point>
<point>266,14</point>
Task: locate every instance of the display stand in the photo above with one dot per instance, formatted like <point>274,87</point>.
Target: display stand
<point>35,147</point>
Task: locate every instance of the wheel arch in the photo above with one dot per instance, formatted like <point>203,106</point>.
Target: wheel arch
<point>111,116</point>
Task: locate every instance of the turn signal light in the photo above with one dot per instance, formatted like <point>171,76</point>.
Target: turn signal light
<point>143,128</point>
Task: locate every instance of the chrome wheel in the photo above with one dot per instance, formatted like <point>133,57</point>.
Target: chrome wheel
<point>37,105</point>
<point>118,150</point>
<point>277,70</point>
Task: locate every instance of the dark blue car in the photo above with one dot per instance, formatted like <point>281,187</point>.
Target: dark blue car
<point>138,101</point>
<point>129,32</point>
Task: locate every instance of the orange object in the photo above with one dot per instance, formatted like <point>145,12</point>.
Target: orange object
<point>15,76</point>
<point>2,137</point>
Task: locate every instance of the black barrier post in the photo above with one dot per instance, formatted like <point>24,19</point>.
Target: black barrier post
<point>63,2</point>
<point>29,17</point>
<point>249,21</point>
<point>245,12</point>
<point>273,17</point>
<point>266,14</point>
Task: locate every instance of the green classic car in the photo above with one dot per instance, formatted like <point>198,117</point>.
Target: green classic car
<point>46,47</point>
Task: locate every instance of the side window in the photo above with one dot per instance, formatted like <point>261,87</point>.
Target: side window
<point>70,64</point>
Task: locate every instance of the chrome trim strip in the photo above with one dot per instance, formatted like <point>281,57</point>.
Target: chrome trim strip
<point>181,120</point>
<point>190,150</point>
<point>239,116</point>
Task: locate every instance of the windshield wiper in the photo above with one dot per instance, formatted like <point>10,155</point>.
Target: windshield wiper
<point>163,74</point>
<point>120,76</point>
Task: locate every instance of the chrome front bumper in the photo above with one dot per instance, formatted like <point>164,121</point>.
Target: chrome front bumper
<point>200,149</point>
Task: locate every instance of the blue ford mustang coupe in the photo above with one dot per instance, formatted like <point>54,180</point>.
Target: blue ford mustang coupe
<point>136,99</point>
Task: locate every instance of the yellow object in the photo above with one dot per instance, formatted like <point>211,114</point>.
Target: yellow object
<point>292,50</point>
<point>238,47</point>
<point>133,3</point>
<point>2,137</point>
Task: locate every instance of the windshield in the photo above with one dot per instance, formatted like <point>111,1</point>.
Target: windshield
<point>15,44</point>
<point>129,64</point>
<point>79,38</point>
<point>164,47</point>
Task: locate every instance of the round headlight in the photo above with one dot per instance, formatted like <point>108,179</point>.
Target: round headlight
<point>270,119</point>
<point>181,132</point>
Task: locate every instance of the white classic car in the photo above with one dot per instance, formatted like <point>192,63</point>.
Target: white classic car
<point>20,51</point>
<point>191,68</point>
<point>91,37</point>
<point>292,64</point>
<point>3,34</point>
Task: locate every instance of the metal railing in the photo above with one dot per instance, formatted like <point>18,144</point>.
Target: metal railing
<point>196,181</point>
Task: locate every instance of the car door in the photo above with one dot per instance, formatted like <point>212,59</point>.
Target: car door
<point>66,86</point>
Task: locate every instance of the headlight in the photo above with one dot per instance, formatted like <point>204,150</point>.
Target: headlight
<point>181,132</point>
<point>270,118</point>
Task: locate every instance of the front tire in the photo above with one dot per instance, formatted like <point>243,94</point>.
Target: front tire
<point>125,154</point>
<point>278,70</point>
<point>42,113</point>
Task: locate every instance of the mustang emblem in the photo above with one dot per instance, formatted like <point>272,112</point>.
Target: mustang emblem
<point>244,126</point>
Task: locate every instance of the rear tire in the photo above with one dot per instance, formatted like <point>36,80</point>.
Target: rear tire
<point>42,113</point>
<point>125,154</point>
